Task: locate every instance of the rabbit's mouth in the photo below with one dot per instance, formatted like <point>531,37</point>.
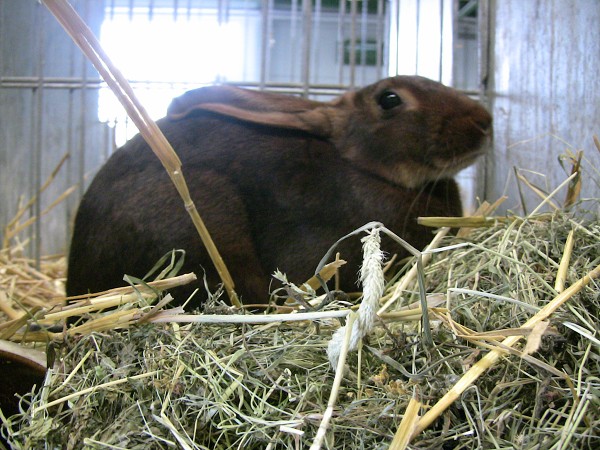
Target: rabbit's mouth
<point>411,174</point>
<point>450,166</point>
<point>417,173</point>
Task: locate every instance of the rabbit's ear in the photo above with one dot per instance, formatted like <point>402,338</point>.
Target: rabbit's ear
<point>262,108</point>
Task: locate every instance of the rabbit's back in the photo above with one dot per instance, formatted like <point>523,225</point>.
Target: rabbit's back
<point>271,198</point>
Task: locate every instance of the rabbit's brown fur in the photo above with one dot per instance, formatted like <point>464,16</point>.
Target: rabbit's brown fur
<point>278,180</point>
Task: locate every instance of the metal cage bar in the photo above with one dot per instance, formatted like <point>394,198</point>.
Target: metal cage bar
<point>313,48</point>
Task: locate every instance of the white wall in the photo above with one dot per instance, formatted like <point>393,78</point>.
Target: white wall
<point>545,95</point>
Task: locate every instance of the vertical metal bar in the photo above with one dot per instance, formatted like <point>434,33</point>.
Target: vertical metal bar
<point>112,9</point>
<point>220,12</point>
<point>293,40</point>
<point>485,27</point>
<point>353,11</point>
<point>224,20</point>
<point>364,40</point>
<point>441,61</point>
<point>417,28</point>
<point>37,112</point>
<point>82,114</point>
<point>220,21</point>
<point>227,10</point>
<point>396,36</point>
<point>107,140</point>
<point>340,37</point>
<point>455,18</point>
<point>2,14</point>
<point>484,43</point>
<point>175,10</point>
<point>151,10</point>
<point>379,30</point>
<point>189,9</point>
<point>112,142</point>
<point>315,50</point>
<point>70,145</point>
<point>307,28</point>
<point>267,7</point>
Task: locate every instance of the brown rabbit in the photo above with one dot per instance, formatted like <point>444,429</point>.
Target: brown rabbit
<point>277,180</point>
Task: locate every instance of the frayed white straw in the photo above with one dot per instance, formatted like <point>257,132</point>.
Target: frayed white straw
<point>372,279</point>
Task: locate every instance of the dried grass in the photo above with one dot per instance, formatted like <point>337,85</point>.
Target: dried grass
<point>135,377</point>
<point>26,284</point>
<point>163,381</point>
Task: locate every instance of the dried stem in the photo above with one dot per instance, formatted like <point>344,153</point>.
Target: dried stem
<point>87,42</point>
<point>492,357</point>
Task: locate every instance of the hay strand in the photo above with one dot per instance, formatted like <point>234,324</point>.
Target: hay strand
<point>87,42</point>
<point>563,268</point>
<point>232,382</point>
<point>492,357</point>
<point>407,425</point>
<point>339,374</point>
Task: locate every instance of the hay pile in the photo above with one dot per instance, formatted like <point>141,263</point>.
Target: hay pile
<point>136,378</point>
<point>267,386</point>
<point>26,285</point>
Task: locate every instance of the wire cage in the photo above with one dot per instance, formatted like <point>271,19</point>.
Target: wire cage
<point>54,107</point>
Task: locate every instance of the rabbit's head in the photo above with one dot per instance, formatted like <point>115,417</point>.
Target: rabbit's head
<point>410,130</point>
<point>407,129</point>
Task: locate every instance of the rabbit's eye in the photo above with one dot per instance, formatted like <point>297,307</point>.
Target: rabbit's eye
<point>389,100</point>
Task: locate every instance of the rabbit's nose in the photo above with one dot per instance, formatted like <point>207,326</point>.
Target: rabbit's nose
<point>483,121</point>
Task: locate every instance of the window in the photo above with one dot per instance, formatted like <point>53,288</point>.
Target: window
<point>285,45</point>
<point>161,55</point>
